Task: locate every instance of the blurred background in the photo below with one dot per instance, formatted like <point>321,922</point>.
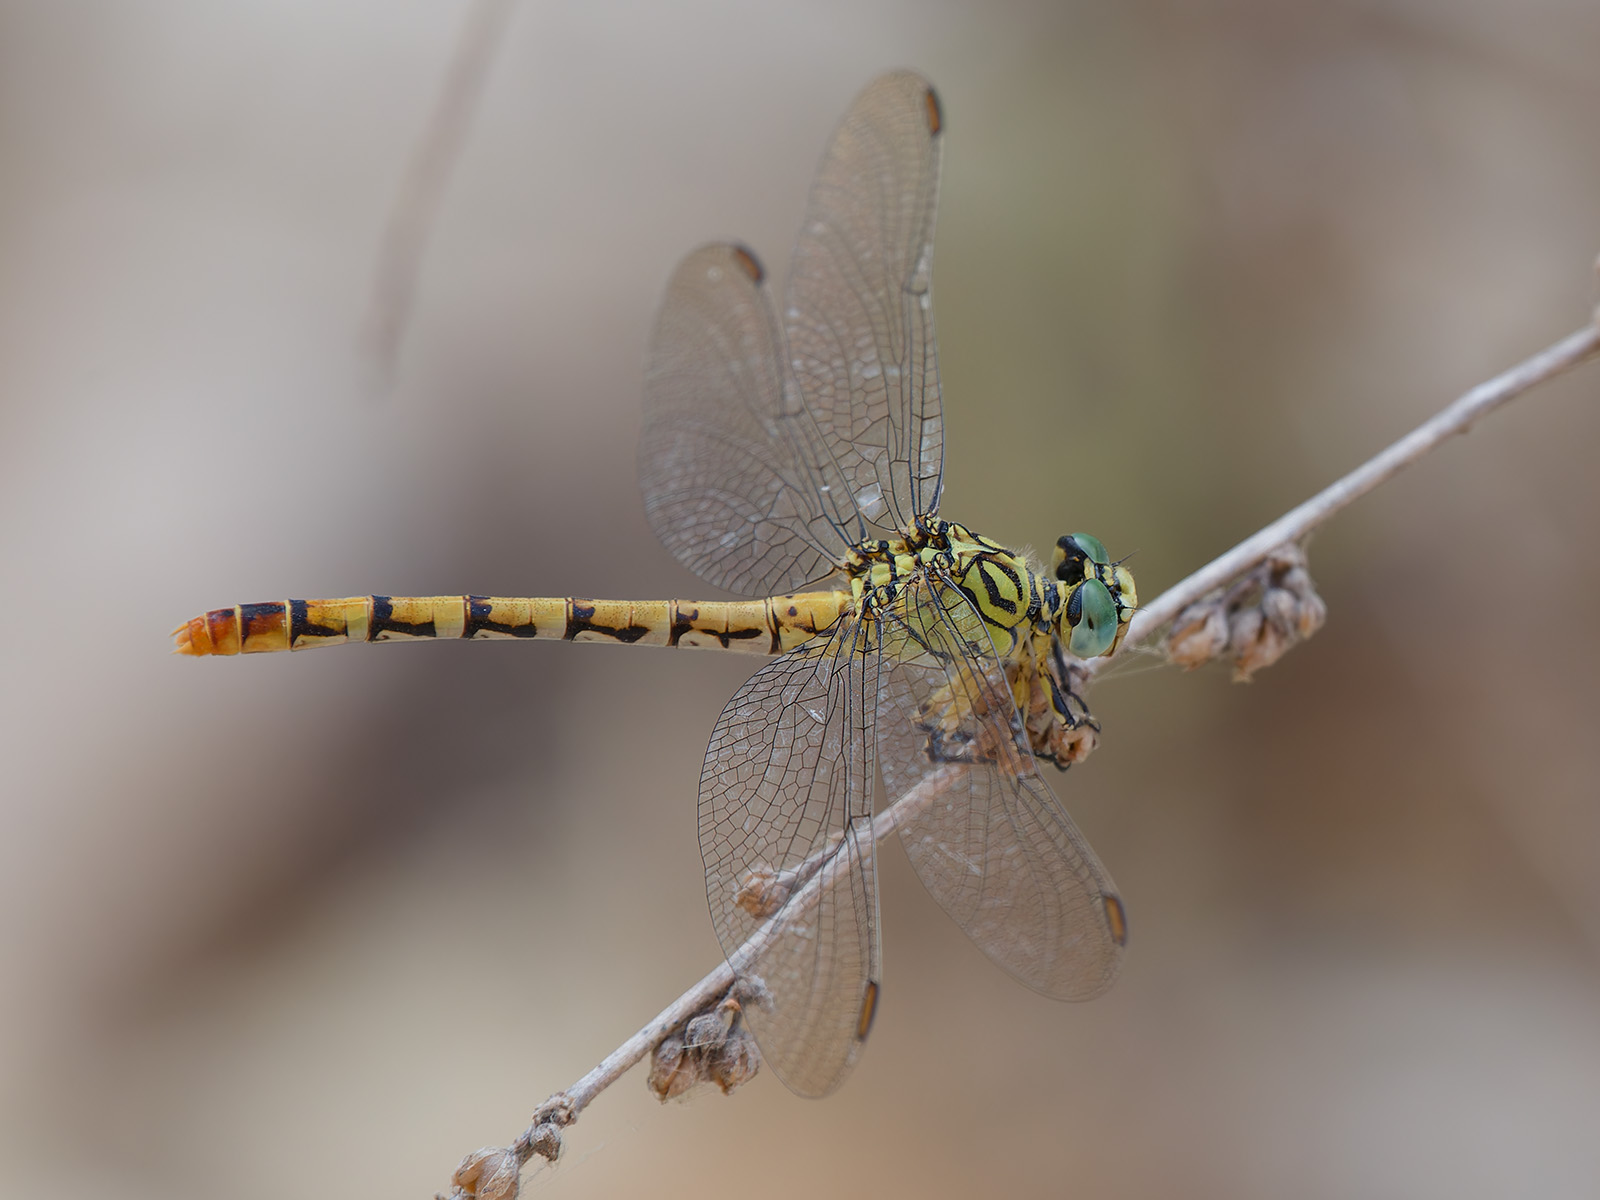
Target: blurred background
<point>286,926</point>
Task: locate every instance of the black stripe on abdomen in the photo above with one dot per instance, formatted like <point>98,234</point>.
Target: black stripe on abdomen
<point>301,626</point>
<point>479,611</point>
<point>383,621</point>
<point>580,619</point>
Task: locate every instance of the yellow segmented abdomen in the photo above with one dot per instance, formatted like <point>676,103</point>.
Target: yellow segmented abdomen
<point>768,626</point>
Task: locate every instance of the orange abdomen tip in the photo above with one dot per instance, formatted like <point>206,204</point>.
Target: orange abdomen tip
<point>217,632</point>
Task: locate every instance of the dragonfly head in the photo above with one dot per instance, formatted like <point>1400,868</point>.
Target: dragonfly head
<point>1100,597</point>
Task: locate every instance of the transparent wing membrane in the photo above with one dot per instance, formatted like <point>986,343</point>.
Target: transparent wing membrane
<point>995,849</point>
<point>766,453</point>
<point>731,482</point>
<point>786,834</point>
<point>859,311</point>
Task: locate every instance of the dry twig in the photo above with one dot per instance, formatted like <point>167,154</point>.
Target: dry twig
<point>492,1173</point>
<point>416,204</point>
<point>1295,524</point>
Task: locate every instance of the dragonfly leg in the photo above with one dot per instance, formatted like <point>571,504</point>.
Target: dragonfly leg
<point>1064,696</point>
<point>1070,707</point>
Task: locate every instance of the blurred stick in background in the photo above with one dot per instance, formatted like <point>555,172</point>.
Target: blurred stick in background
<point>493,1173</point>
<point>416,204</point>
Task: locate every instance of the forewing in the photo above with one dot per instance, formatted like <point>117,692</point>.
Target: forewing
<point>786,834</point>
<point>994,846</point>
<point>726,460</point>
<point>859,317</point>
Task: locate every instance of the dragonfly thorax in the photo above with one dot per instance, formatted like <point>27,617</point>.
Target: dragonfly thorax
<point>1085,600</point>
<point>1010,594</point>
<point>1032,616</point>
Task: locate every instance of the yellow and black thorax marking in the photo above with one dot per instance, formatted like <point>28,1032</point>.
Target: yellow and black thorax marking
<point>1012,598</point>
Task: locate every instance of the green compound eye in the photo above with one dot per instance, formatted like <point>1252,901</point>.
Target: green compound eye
<point>1093,547</point>
<point>1093,616</point>
<point>1073,551</point>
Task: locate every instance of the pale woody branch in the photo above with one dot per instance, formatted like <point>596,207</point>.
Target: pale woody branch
<point>1295,524</point>
<point>492,1173</point>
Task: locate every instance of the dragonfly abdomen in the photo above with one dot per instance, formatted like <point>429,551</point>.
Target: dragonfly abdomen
<point>768,626</point>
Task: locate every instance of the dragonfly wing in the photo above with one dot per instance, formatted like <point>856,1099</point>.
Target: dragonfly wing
<point>859,317</point>
<point>726,456</point>
<point>786,833</point>
<point>994,847</point>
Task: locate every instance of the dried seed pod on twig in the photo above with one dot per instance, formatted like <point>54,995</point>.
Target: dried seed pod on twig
<point>1254,621</point>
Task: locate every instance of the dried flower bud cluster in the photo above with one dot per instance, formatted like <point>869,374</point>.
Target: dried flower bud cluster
<point>545,1141</point>
<point>1254,621</point>
<point>487,1174</point>
<point>712,1047</point>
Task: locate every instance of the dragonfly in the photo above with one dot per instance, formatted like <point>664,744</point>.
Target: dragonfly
<point>798,457</point>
